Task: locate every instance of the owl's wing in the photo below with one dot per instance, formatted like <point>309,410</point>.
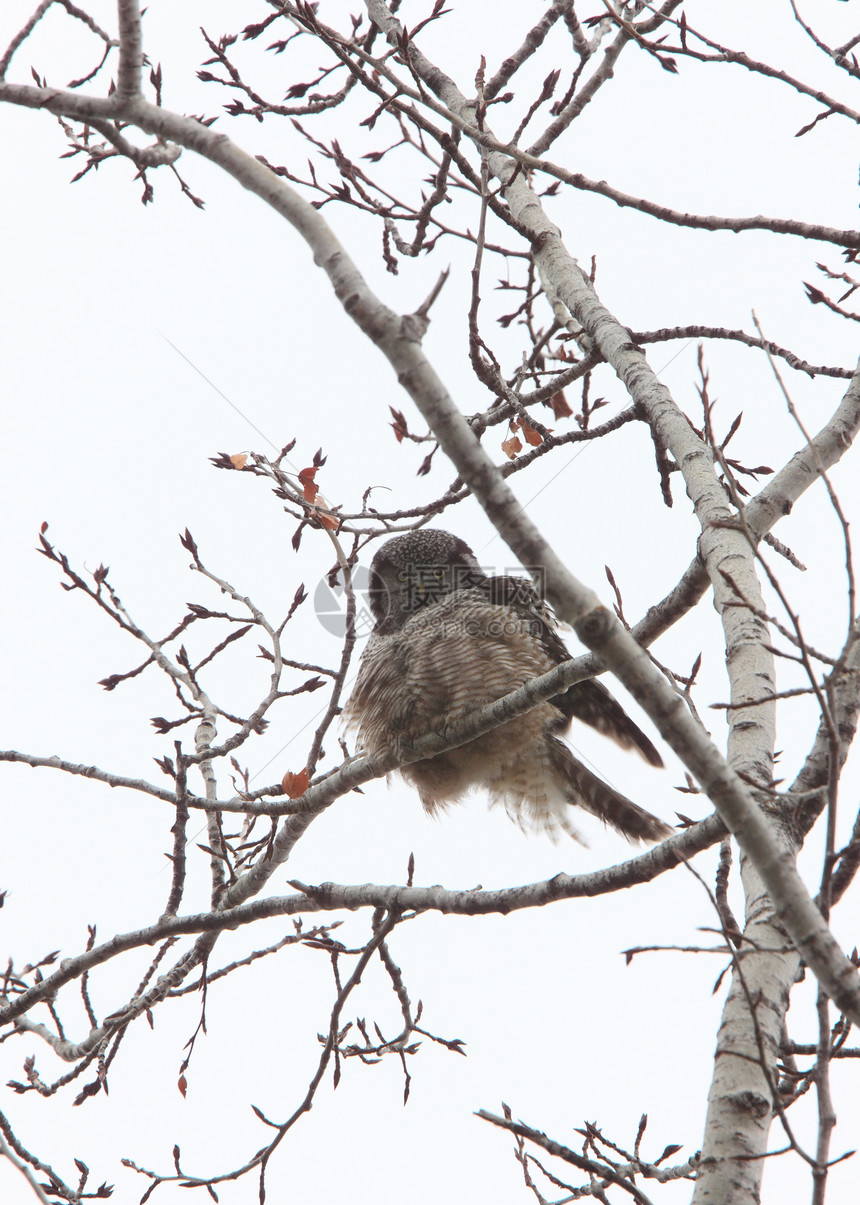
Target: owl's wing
<point>589,701</point>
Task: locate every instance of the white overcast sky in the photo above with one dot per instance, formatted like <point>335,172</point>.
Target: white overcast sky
<point>112,314</point>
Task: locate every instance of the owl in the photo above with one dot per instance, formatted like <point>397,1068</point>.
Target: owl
<point>449,639</point>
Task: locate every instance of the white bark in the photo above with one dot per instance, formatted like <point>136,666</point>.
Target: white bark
<point>741,1100</point>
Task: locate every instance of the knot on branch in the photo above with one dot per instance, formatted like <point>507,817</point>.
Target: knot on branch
<point>595,627</point>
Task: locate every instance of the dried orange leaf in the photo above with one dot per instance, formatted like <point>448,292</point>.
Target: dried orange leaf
<point>328,521</point>
<point>238,460</point>
<point>309,486</point>
<point>512,446</point>
<point>295,785</point>
<point>559,404</point>
<point>531,436</point>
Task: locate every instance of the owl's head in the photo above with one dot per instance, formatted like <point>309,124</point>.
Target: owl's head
<point>417,570</point>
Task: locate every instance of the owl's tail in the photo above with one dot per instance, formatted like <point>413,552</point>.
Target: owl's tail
<point>586,790</point>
